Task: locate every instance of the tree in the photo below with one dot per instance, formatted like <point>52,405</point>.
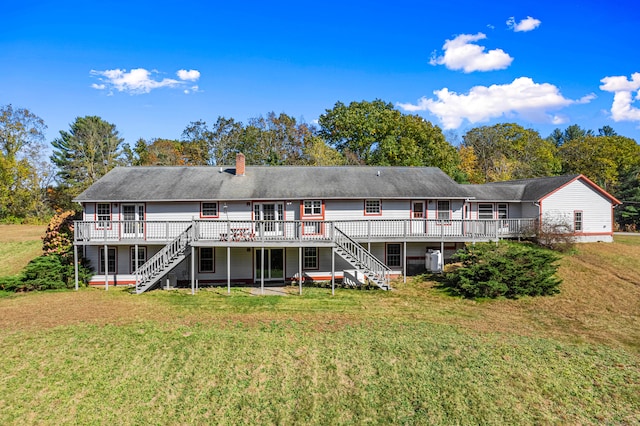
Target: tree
<point>375,133</point>
<point>274,139</point>
<point>508,151</point>
<point>87,152</point>
<point>603,159</point>
<point>628,214</point>
<point>24,175</point>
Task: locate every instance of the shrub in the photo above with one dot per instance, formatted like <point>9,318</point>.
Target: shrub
<point>54,269</point>
<point>504,270</point>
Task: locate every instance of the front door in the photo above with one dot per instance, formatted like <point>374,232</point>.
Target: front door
<point>133,217</point>
<point>271,215</point>
<point>273,264</point>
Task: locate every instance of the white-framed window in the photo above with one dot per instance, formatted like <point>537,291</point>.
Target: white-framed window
<point>312,208</point>
<point>310,258</point>
<point>394,258</point>
<point>209,209</point>
<point>206,259</point>
<point>503,211</point>
<point>577,221</point>
<point>372,207</point>
<point>142,257</point>
<point>111,260</point>
<point>444,210</point>
<point>485,211</point>
<point>103,214</point>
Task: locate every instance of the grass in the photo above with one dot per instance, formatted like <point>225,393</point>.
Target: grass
<point>410,356</point>
<point>20,244</point>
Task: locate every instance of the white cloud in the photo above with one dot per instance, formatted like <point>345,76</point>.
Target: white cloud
<point>462,54</point>
<point>191,75</point>
<point>528,24</point>
<point>522,97</point>
<point>622,108</point>
<point>138,80</point>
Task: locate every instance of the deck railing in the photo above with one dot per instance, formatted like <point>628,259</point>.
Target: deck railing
<point>296,230</point>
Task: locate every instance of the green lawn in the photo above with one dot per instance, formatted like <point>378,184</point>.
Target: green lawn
<point>411,356</point>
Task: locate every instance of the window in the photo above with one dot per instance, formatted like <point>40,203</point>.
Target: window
<point>372,207</point>
<point>310,260</point>
<point>111,259</point>
<point>312,208</point>
<point>142,257</point>
<point>209,210</point>
<point>393,255</point>
<point>503,211</point>
<point>444,210</point>
<point>206,259</point>
<point>104,214</point>
<point>485,211</point>
<point>418,209</point>
<point>577,221</point>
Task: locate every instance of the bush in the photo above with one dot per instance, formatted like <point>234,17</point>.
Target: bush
<point>48,272</point>
<point>504,270</point>
<point>54,269</point>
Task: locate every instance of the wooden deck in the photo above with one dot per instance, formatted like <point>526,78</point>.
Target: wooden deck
<point>259,233</point>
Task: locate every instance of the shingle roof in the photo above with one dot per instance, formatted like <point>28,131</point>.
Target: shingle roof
<point>519,190</point>
<point>271,183</point>
<point>523,189</point>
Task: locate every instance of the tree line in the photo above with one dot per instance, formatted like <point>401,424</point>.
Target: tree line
<point>32,187</point>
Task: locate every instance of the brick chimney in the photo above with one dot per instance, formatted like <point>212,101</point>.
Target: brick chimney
<point>239,164</point>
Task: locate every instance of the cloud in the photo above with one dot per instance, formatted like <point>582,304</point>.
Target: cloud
<point>191,75</point>
<point>462,54</point>
<point>522,97</point>
<point>622,108</point>
<point>139,80</point>
<point>528,24</point>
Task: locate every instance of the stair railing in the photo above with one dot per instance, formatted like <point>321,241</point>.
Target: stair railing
<point>375,270</point>
<point>152,270</point>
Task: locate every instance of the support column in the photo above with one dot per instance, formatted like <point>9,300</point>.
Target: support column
<point>228,269</point>
<point>404,262</point>
<point>193,270</point>
<point>333,271</point>
<point>106,267</point>
<point>300,269</point>
<point>262,271</point>
<point>75,264</point>
<point>135,263</point>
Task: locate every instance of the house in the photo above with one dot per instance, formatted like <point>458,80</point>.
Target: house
<point>147,226</point>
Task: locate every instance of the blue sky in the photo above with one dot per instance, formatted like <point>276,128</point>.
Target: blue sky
<point>152,67</point>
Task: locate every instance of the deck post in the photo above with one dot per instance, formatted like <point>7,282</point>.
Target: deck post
<point>300,269</point>
<point>106,267</point>
<point>333,271</point>
<point>75,264</point>
<point>404,262</point>
<point>262,271</point>
<point>193,270</point>
<point>135,263</point>
<point>228,269</point>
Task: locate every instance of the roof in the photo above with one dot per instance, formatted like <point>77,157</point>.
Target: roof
<point>534,189</point>
<point>271,183</point>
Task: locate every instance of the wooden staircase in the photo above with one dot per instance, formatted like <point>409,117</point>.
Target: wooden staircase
<point>360,258</point>
<point>161,263</point>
